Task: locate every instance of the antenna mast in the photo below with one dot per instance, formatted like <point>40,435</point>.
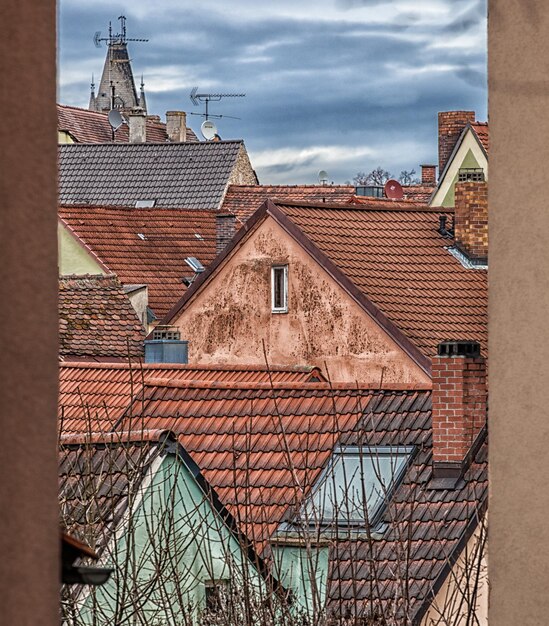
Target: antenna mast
<point>196,98</point>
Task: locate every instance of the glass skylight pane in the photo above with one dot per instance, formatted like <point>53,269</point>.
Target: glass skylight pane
<point>355,485</point>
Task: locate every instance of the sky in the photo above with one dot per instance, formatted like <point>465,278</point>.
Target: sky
<point>337,85</point>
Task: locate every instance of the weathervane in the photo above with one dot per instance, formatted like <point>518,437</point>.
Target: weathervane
<point>196,98</point>
<point>118,38</point>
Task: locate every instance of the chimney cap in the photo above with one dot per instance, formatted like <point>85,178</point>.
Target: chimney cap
<point>459,348</point>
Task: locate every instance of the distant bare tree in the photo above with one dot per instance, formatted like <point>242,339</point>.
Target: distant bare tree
<point>408,177</point>
<point>377,177</point>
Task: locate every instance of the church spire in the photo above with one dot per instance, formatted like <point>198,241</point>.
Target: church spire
<point>117,86</point>
<point>142,100</point>
<point>92,95</point>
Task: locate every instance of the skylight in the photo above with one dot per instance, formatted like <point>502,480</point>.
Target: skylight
<point>356,485</point>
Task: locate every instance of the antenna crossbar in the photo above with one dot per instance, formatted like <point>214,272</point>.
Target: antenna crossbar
<point>196,98</point>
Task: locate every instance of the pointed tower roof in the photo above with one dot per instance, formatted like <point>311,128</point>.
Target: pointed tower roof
<point>91,107</point>
<point>117,86</point>
<point>142,99</point>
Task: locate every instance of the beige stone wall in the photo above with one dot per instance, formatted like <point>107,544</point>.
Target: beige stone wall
<point>243,173</point>
<point>229,319</point>
<point>468,579</point>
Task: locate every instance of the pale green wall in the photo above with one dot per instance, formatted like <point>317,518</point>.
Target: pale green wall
<point>201,545</point>
<point>296,566</point>
<point>468,162</point>
<point>73,258</point>
<point>64,137</point>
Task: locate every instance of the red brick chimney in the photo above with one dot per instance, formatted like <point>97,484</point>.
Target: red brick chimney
<point>459,403</point>
<point>450,127</point>
<point>471,219</point>
<point>225,227</point>
<point>429,175</point>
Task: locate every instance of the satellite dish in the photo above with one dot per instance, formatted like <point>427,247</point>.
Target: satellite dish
<point>393,190</point>
<point>115,119</point>
<point>208,130</point>
<point>323,177</point>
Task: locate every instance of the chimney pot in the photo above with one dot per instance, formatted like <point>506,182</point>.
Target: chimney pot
<point>429,175</point>
<point>176,126</point>
<point>459,373</point>
<point>138,126</point>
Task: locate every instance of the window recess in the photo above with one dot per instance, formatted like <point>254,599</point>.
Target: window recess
<point>279,289</point>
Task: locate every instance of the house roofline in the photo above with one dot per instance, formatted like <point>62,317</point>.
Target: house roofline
<point>268,208</point>
<point>85,246</point>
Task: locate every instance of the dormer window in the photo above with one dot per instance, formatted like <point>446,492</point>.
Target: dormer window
<point>356,486</point>
<point>279,289</point>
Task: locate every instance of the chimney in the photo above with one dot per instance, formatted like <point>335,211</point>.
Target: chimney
<point>450,127</point>
<point>429,175</point>
<point>459,404</point>
<point>225,227</point>
<point>176,126</point>
<point>471,219</point>
<point>138,126</point>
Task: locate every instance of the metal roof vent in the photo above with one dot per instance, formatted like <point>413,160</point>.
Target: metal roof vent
<point>166,351</point>
<point>459,348</point>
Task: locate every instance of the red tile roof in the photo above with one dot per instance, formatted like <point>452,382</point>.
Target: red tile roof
<point>93,127</point>
<point>263,449</point>
<point>418,193</point>
<point>396,257</point>
<point>481,130</point>
<point>93,396</point>
<point>96,319</point>
<point>115,236</point>
<point>243,200</point>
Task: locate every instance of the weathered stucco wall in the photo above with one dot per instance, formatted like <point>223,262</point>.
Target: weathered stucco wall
<point>229,320</point>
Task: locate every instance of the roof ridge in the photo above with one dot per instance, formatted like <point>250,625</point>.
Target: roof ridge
<point>299,386</point>
<point>118,437</point>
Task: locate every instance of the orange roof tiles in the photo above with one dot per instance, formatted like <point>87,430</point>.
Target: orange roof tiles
<point>395,256</point>
<point>93,127</point>
<point>146,246</point>
<point>96,319</point>
<point>481,130</point>
<point>243,200</point>
<point>93,396</point>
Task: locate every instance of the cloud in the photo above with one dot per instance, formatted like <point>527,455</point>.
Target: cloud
<point>331,84</point>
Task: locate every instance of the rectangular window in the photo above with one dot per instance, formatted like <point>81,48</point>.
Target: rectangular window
<point>356,485</point>
<point>471,174</point>
<point>279,288</point>
<point>217,595</point>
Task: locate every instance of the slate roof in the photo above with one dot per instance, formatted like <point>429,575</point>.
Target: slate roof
<point>175,175</point>
<point>158,259</point>
<point>263,449</point>
<point>94,396</point>
<point>87,126</point>
<point>390,256</point>
<point>96,319</point>
<point>243,200</point>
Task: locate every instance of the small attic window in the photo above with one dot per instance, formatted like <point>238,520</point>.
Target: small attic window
<point>141,236</point>
<point>471,174</point>
<point>356,485</point>
<point>279,289</point>
<point>199,236</point>
<point>144,204</point>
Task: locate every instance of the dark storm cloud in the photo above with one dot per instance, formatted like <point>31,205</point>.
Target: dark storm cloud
<point>335,94</point>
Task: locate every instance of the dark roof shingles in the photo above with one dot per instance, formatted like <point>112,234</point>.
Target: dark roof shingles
<point>175,175</point>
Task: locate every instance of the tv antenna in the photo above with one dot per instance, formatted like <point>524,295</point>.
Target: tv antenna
<point>116,38</point>
<point>196,98</point>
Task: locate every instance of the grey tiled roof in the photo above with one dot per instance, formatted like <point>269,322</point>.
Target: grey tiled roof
<point>179,175</point>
